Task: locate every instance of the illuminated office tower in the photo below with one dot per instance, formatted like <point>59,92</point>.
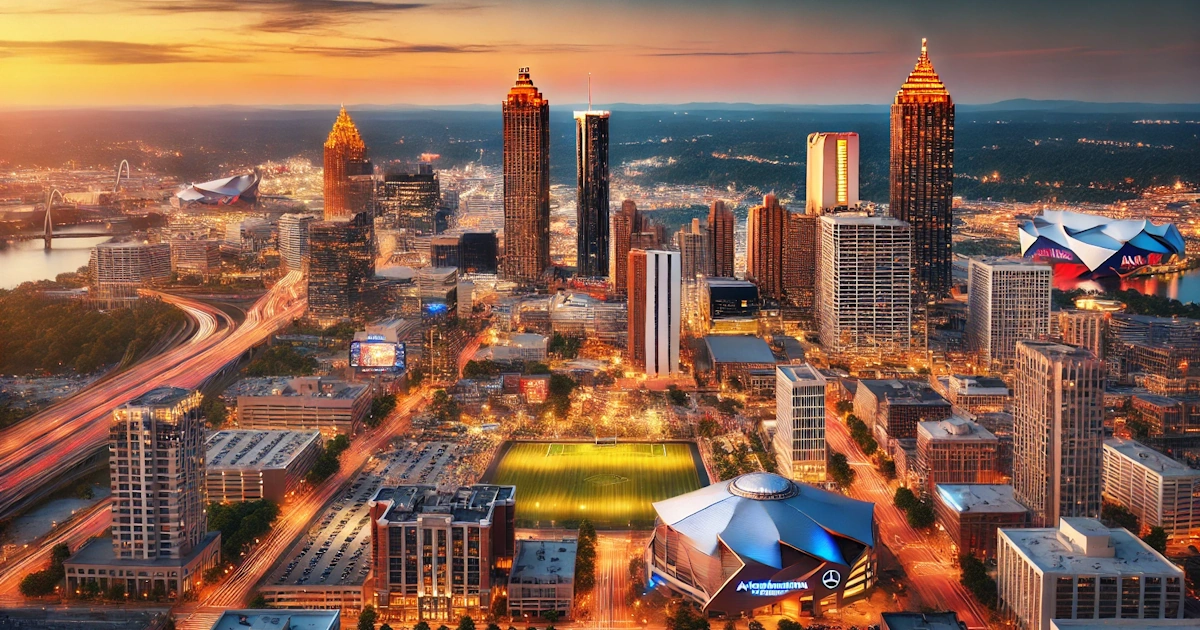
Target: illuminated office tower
<point>341,266</point>
<point>630,230</point>
<point>410,201</point>
<point>293,240</point>
<point>1008,299</point>
<point>922,173</point>
<point>591,168</point>
<point>720,240</point>
<point>766,228</point>
<point>1058,431</point>
<point>526,181</point>
<point>800,445</point>
<point>864,284</point>
<point>800,262</point>
<point>346,166</point>
<point>654,305</point>
<point>832,172</point>
<point>692,242</point>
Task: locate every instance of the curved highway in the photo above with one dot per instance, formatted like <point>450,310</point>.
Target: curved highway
<point>59,438</point>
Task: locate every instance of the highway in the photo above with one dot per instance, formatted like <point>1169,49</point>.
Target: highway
<point>74,533</point>
<point>931,573</point>
<point>613,551</point>
<point>238,587</point>
<point>55,440</point>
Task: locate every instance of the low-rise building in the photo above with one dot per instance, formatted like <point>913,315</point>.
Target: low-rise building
<point>542,578</point>
<point>955,450</point>
<point>734,356</point>
<point>892,408</point>
<point>978,394</point>
<point>1084,570</point>
<point>972,512</point>
<point>921,621</point>
<point>248,465</point>
<point>273,619</point>
<point>1160,491</point>
<point>197,257</point>
<point>307,402</point>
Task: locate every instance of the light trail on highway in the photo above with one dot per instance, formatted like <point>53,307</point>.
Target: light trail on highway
<point>73,533</point>
<point>50,443</point>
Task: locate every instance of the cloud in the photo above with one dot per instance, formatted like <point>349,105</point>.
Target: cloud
<point>756,53</point>
<point>292,16</point>
<point>100,52</point>
<point>393,49</point>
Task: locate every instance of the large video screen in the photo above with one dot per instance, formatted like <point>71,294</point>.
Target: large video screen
<point>377,356</point>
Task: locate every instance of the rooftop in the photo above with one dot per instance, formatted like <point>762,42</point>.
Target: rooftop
<point>980,497</point>
<point>248,449</point>
<point>1084,546</point>
<point>544,562</point>
<point>921,621</point>
<point>99,551</point>
<point>272,619</point>
<point>1149,458</point>
<point>1112,624</point>
<point>468,504</point>
<point>311,386</point>
<point>800,372</point>
<point>160,396</point>
<point>738,349</point>
<point>955,429</point>
<point>978,385</point>
<point>729,282</point>
<point>904,392</point>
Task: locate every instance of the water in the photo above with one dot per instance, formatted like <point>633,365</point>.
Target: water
<point>27,261</point>
<point>1184,286</point>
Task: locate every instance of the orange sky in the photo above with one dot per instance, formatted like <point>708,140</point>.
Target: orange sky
<point>199,52</point>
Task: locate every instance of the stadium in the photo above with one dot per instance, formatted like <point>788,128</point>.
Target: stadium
<point>221,192</point>
<point>760,543</point>
<point>1087,246</point>
<point>609,483</point>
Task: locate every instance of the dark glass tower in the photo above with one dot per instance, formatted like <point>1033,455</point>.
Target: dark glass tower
<point>341,266</point>
<point>526,181</point>
<point>591,168</point>
<point>922,173</point>
<point>411,200</point>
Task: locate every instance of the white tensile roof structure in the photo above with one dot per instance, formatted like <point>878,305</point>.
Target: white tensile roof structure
<point>1094,239</point>
<point>221,191</point>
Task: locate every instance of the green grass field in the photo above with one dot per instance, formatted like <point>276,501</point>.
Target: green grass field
<point>560,483</point>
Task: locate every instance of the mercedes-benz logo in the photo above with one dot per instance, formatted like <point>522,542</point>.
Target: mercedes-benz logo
<point>831,579</point>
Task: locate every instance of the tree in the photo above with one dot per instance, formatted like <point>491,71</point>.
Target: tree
<point>1119,516</point>
<point>381,407</point>
<point>564,347</point>
<point>921,516</point>
<point>558,400</point>
<point>421,625</point>
<point>214,411</point>
<point>788,624</point>
<point>976,579</point>
<point>685,617</point>
<point>41,583</point>
<point>490,626</point>
<point>499,606</point>
<point>551,616</point>
<point>536,368</point>
<point>840,470</point>
<point>708,428</point>
<point>385,626</point>
<point>729,625</point>
<point>843,407</point>
<point>366,618</point>
<point>677,396</point>
<point>443,627</point>
<point>1157,539</point>
<point>887,468</point>
<point>904,498</point>
<point>444,407</point>
<point>466,623</point>
<point>585,558</point>
<point>756,625</point>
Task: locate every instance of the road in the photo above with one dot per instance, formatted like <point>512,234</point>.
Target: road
<point>59,438</point>
<point>236,590</point>
<point>931,573</point>
<point>613,551</point>
<point>74,533</point>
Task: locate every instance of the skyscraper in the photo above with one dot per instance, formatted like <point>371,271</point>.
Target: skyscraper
<point>293,240</point>
<point>766,228</point>
<point>720,240</point>
<point>864,294</point>
<point>1007,300</point>
<point>692,242</point>
<point>800,262</point>
<point>922,172</point>
<point>1058,431</point>
<point>832,172</point>
<point>345,166</point>
<point>340,270</point>
<point>526,181</point>
<point>800,445</point>
<point>654,305</point>
<point>591,169</point>
<point>630,230</point>
<point>410,201</point>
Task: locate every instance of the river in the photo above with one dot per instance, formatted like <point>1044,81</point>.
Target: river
<point>27,261</point>
<point>1183,286</point>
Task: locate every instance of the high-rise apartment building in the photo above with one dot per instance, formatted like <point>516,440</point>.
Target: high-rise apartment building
<point>766,229</point>
<point>293,240</point>
<point>1158,490</point>
<point>800,262</point>
<point>410,201</point>
<point>654,305</point>
<point>591,169</point>
<point>1058,430</point>
<point>692,241</point>
<point>1008,299</point>
<point>1083,328</point>
<point>630,230</point>
<point>800,446</point>
<point>832,172</point>
<point>526,181</point>
<point>864,284</point>
<point>345,165</point>
<point>922,172</point>
<point>341,268</point>
<point>720,240</point>
<point>133,264</point>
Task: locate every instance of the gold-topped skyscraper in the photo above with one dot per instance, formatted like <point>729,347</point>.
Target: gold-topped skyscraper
<point>526,181</point>
<point>922,173</point>
<point>346,166</point>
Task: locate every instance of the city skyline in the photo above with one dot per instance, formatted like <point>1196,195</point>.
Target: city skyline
<point>443,53</point>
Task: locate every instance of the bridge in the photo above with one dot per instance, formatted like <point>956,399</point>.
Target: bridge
<point>48,235</point>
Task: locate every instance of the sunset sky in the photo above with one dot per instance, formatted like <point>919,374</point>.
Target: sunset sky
<point>80,53</point>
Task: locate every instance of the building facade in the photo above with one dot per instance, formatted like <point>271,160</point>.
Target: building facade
<point>1058,431</point>
<point>654,311</point>
<point>591,172</point>
<point>293,241</point>
<point>542,579</point>
<point>720,240</point>
<point>832,173</point>
<point>124,267</point>
<point>526,181</point>
<point>340,269</point>
<point>954,451</point>
<point>302,403</point>
<point>1160,491</point>
<point>922,173</point>
<point>766,229</point>
<point>345,160</point>
<point>1084,329</point>
<point>411,201</point>
<point>800,446</point>
<point>972,512</point>
<point>244,465</point>
<point>692,241</point>
<point>800,262</point>
<point>1007,300</point>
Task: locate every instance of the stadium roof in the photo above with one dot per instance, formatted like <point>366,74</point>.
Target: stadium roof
<point>756,513</point>
<point>221,191</point>
<point>1094,239</point>
<point>738,349</point>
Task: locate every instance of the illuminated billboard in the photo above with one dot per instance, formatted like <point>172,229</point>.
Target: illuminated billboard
<point>535,389</point>
<point>377,356</point>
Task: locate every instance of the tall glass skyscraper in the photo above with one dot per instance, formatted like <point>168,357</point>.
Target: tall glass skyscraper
<point>591,167</point>
<point>922,173</point>
<point>526,181</point>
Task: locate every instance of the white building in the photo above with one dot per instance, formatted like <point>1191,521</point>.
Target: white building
<point>1008,300</point>
<point>293,240</point>
<point>1160,491</point>
<point>832,172</point>
<point>800,446</point>
<point>655,302</point>
<point>1084,570</point>
<point>542,578</point>
<point>130,264</point>
<point>864,284</point>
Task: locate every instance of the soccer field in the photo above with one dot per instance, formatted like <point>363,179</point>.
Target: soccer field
<point>612,485</point>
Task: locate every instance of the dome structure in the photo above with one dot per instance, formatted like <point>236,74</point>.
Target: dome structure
<point>225,191</point>
<point>1093,246</point>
